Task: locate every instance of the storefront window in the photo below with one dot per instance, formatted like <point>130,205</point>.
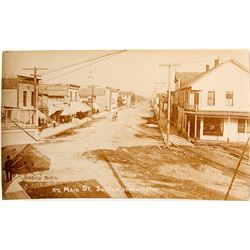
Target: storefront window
<point>248,126</point>
<point>241,125</point>
<point>213,126</point>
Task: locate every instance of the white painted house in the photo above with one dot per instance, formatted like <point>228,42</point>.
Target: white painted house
<point>215,104</point>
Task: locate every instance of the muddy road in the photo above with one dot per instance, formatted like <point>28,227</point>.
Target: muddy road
<point>128,159</point>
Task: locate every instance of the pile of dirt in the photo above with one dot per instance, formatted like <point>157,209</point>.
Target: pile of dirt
<point>144,163</point>
<point>26,159</point>
<point>149,155</point>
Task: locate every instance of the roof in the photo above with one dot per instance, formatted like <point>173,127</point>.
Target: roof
<point>216,113</point>
<point>27,79</point>
<point>57,86</point>
<point>85,92</point>
<point>186,77</point>
<point>198,77</point>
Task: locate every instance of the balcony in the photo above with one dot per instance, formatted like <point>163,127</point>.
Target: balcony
<point>190,107</point>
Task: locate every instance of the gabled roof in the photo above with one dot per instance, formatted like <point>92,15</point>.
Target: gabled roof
<point>198,77</point>
<point>186,77</point>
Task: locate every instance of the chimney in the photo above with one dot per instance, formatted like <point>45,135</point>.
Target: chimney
<point>216,62</point>
<point>207,68</point>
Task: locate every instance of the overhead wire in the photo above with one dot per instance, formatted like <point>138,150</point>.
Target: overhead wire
<point>85,66</point>
<point>84,61</point>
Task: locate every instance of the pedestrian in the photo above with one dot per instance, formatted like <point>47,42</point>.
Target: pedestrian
<point>8,168</point>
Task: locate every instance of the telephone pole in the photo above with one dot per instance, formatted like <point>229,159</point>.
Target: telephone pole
<point>160,100</point>
<point>92,96</point>
<point>92,86</point>
<point>35,75</point>
<point>169,65</point>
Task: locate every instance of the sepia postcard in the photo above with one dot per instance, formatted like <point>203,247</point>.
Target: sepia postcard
<point>169,124</point>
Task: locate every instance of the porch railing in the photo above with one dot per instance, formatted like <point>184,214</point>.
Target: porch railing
<point>190,107</point>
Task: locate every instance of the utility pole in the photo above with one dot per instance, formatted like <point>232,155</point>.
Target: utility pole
<point>110,99</point>
<point>169,65</point>
<point>160,101</point>
<point>92,98</point>
<point>92,87</point>
<point>92,91</point>
<point>237,168</point>
<point>35,75</point>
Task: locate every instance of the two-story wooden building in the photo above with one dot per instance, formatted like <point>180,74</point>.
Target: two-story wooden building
<point>60,92</point>
<point>214,104</point>
<point>19,116</point>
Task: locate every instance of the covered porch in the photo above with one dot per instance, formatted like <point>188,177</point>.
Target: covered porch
<point>216,126</point>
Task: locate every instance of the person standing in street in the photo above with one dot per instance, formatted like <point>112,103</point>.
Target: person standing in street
<point>8,168</point>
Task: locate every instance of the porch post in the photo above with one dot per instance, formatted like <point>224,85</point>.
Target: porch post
<point>195,127</point>
<point>201,127</point>
<point>183,125</point>
<point>188,129</point>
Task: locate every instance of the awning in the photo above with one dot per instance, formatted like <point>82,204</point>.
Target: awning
<point>68,111</point>
<point>80,107</point>
<point>56,107</point>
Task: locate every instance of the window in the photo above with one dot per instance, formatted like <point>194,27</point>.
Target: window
<point>32,98</point>
<point>24,98</point>
<point>241,125</point>
<point>229,98</point>
<point>211,98</point>
<point>75,95</point>
<point>196,98</point>
<point>71,95</point>
<point>213,126</point>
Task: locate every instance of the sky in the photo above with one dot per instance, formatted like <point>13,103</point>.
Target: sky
<point>140,71</point>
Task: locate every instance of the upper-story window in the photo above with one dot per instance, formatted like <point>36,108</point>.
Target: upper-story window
<point>71,95</point>
<point>229,98</point>
<point>24,98</point>
<point>32,98</point>
<point>76,96</point>
<point>211,98</point>
<point>196,98</point>
<point>186,96</point>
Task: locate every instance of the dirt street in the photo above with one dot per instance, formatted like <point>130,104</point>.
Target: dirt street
<point>127,158</point>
